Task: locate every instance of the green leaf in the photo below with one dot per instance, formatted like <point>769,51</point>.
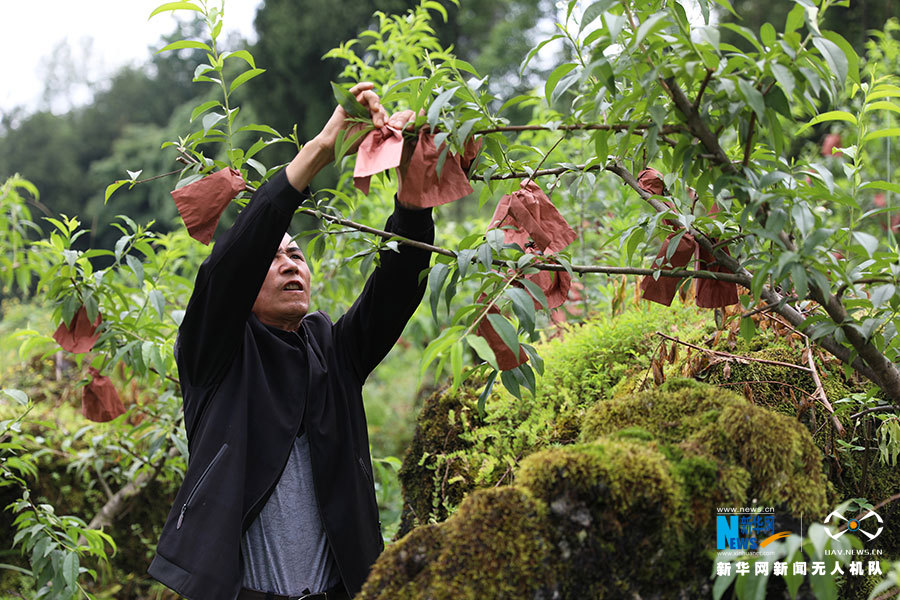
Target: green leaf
<point>882,294</point>
<point>436,6</point>
<point>111,188</point>
<point>794,19</point>
<point>881,185</point>
<point>868,241</point>
<point>593,11</point>
<point>244,78</point>
<point>834,57</point>
<point>506,331</point>
<point>511,383</point>
<point>456,363</point>
<point>436,279</point>
<point>488,386</point>
<point>210,120</point>
<point>158,302</point>
<point>745,33</point>
<point>748,329</point>
<point>554,78</point>
<point>174,6</point>
<point>654,22</point>
<point>243,55</point>
<point>70,569</point>
<point>537,49</point>
<point>882,105</point>
<point>182,44</point>
<point>767,34</point>
<point>18,396</point>
<point>199,110</point>
<point>260,129</point>
<point>523,306</point>
<point>831,115</point>
<point>882,133</point>
<point>564,84</point>
<point>784,77</point>
<point>848,52</point>
<point>536,291</point>
<point>753,97</point>
<point>481,347</point>
<point>434,111</point>
<point>136,266</point>
<point>349,103</point>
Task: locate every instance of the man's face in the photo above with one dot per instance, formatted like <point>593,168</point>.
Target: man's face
<point>283,299</point>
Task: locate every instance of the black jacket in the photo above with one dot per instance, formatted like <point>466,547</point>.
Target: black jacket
<point>247,387</point>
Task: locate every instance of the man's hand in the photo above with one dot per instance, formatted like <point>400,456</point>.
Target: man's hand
<point>339,120</point>
<point>314,155</point>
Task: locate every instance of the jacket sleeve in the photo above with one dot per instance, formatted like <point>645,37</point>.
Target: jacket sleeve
<point>229,280</point>
<point>371,327</point>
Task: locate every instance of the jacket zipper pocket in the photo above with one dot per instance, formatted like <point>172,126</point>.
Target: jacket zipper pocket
<point>200,482</point>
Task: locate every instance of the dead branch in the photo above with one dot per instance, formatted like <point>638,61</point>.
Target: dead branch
<point>117,503</point>
<point>735,357</point>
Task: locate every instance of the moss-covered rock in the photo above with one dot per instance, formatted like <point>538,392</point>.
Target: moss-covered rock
<point>453,451</point>
<point>497,545</point>
<point>643,482</point>
<point>602,490</point>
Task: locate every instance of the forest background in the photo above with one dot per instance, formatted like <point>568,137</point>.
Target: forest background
<point>71,158</point>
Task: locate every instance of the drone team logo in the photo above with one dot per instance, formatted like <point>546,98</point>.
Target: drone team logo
<point>856,525</point>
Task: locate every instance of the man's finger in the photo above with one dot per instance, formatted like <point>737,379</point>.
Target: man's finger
<point>361,87</point>
<point>370,100</point>
<point>401,119</point>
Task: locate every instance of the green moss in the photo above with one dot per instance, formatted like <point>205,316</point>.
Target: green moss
<point>449,458</point>
<point>497,545</point>
<point>622,486</point>
<point>426,492</point>
<point>784,464</point>
<point>672,416</point>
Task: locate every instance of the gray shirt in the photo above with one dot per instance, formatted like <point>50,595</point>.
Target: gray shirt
<point>285,549</point>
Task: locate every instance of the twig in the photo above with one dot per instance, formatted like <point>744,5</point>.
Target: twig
<point>649,367</point>
<point>581,127</point>
<point>541,164</point>
<point>890,594</point>
<point>733,356</point>
<point>536,173</point>
<point>709,74</point>
<point>109,511</point>
<point>768,307</point>
<point>770,382</point>
<point>748,147</point>
<point>893,498</point>
<point>865,280</point>
<point>874,409</point>
<point>820,391</point>
<point>103,484</point>
<point>157,176</point>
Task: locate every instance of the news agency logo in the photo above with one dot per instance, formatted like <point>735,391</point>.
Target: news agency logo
<point>855,525</point>
<point>748,531</point>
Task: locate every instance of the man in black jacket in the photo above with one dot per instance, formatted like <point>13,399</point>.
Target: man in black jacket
<point>278,499</point>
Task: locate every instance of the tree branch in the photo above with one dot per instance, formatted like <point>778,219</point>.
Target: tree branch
<point>116,504</point>
<point>709,74</point>
<point>874,409</point>
<point>737,357</point>
<point>665,129</point>
<point>748,147</point>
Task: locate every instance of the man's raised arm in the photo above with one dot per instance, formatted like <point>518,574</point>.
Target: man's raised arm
<point>230,278</point>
